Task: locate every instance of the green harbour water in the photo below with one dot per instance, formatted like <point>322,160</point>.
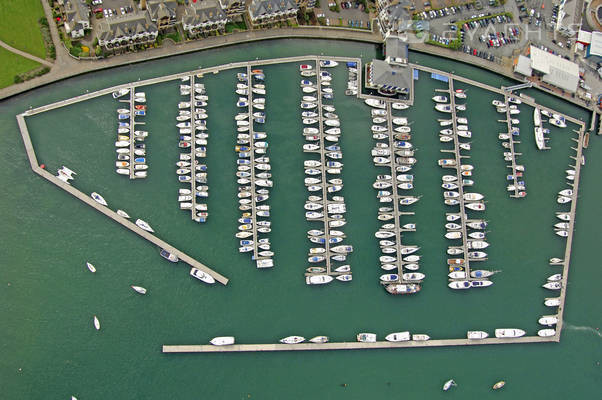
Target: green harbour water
<point>51,350</point>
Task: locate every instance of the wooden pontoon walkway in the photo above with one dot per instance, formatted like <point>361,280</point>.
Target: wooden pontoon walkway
<point>513,153</point>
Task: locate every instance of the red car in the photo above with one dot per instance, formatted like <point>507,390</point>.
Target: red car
<point>97,10</point>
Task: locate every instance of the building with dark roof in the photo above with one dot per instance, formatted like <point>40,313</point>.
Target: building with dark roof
<point>385,77</point>
<point>126,32</point>
<point>77,18</point>
<point>202,17</point>
<point>233,8</point>
<point>162,13</point>
<point>267,12</point>
<point>394,17</point>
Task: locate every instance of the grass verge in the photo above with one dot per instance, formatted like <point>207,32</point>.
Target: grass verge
<point>13,65</point>
<point>19,25</point>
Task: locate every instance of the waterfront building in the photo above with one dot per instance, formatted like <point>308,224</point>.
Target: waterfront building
<point>204,17</point>
<point>233,8</point>
<point>388,78</point>
<point>127,32</point>
<point>161,12</point>
<point>550,68</point>
<point>263,13</point>
<point>394,17</point>
<point>594,49</point>
<point>396,51</point>
<point>77,18</point>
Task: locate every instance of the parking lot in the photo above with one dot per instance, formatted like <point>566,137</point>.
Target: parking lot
<point>352,14</point>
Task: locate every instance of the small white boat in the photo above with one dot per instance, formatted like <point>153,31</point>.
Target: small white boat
<point>552,301</point>
<point>98,198</point>
<point>319,339</point>
<point>552,285</point>
<point>90,267</point>
<point>197,273</point>
<point>476,335</point>
<point>509,333</point>
<point>139,289</point>
<point>546,332</point>
<point>376,103</point>
<point>123,214</point>
<point>555,278</point>
<point>398,337</point>
<point>440,99</point>
<point>222,341</point>
<point>498,385</point>
<point>292,339</point>
<point>447,385</point>
<point>420,337</point>
<point>318,279</point>
<point>366,337</point>
<point>548,320</point>
<point>144,225</point>
<point>96,323</point>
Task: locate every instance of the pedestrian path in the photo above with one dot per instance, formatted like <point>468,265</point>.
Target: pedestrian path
<point>24,54</point>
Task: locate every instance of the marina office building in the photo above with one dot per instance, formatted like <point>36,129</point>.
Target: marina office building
<point>551,68</point>
<point>392,76</point>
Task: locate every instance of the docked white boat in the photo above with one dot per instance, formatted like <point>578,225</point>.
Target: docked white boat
<point>398,337</point>
<point>202,276</point>
<point>420,337</point>
<point>318,279</point>
<point>446,108</point>
<point>509,333</point>
<point>552,301</point>
<point>399,106</point>
<point>366,337</point>
<point>546,332</point>
<point>98,198</point>
<point>562,233</point>
<point>440,99</point>
<point>319,339</point>
<point>222,341</point>
<point>144,225</point>
<point>376,103</point>
<point>459,285</point>
<point>548,320</point>
<point>552,285</point>
<point>477,335</point>
<point>473,196</point>
<point>292,340</point>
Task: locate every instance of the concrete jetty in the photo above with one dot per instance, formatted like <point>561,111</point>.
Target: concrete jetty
<point>237,348</point>
<point>516,193</point>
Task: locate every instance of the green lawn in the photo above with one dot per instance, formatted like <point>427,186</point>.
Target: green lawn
<point>19,25</point>
<point>12,65</point>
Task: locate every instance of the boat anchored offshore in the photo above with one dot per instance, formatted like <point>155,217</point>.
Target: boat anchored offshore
<point>447,385</point>
<point>139,289</point>
<point>499,385</point>
<point>90,267</point>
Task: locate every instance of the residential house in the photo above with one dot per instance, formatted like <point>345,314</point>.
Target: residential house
<point>203,17</point>
<point>306,4</point>
<point>162,13</point>
<point>77,18</point>
<point>267,12</point>
<point>233,8</point>
<point>394,18</point>
<point>126,32</point>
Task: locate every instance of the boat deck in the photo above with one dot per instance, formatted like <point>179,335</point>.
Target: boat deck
<point>512,142</point>
<point>252,179</point>
<point>328,262</point>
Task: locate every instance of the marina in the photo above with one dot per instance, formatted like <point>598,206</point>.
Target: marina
<point>464,218</point>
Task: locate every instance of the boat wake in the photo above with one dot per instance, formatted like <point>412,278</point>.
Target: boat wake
<point>583,329</point>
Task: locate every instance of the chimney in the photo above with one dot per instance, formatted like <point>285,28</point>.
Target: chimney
<point>143,4</point>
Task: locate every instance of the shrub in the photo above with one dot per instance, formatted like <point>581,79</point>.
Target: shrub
<point>52,52</point>
<point>75,51</point>
<point>98,51</point>
<point>18,79</point>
